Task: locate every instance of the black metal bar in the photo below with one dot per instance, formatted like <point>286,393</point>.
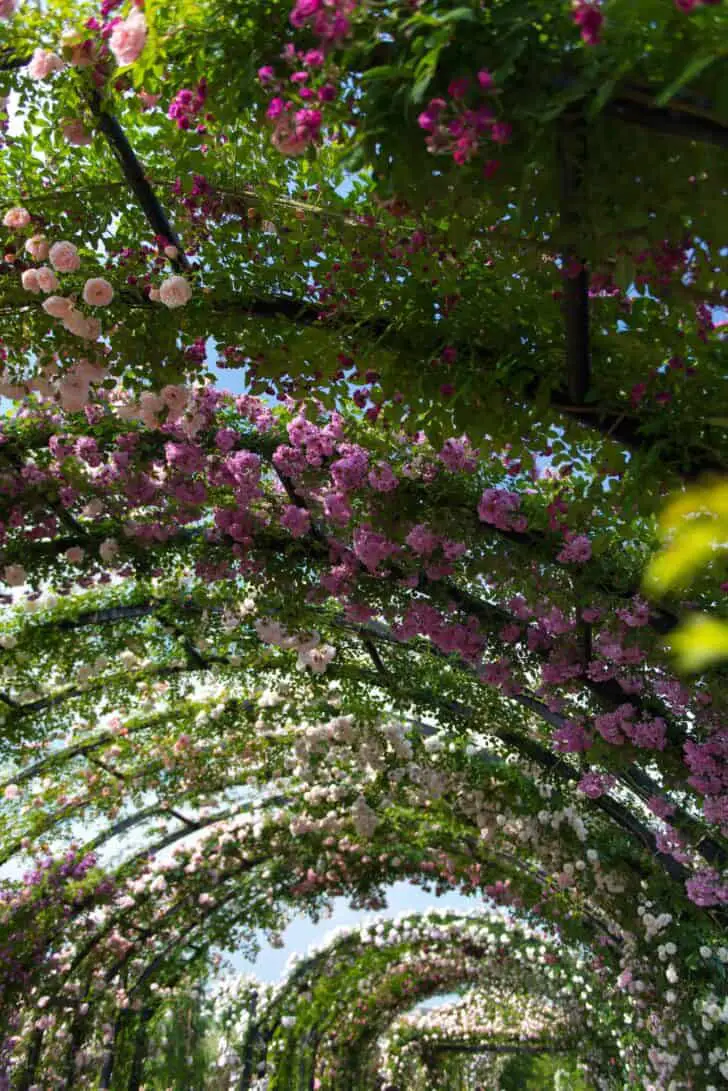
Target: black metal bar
<point>141,1043</point>
<point>572,148</point>
<point>27,1077</point>
<point>137,179</point>
<point>107,1064</point>
<point>672,122</point>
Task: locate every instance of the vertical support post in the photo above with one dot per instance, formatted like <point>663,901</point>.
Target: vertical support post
<point>74,1044</point>
<point>27,1077</point>
<point>107,1064</point>
<point>141,1042</point>
<point>252,1033</point>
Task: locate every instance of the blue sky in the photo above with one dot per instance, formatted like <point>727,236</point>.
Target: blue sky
<point>303,933</point>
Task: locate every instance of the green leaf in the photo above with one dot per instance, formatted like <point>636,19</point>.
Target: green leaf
<point>382,72</point>
<point>418,89</point>
<point>606,90</point>
<point>459,15</point>
<point>696,66</point>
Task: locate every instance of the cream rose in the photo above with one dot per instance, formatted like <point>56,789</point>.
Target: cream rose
<point>37,247</point>
<point>175,292</point>
<point>47,279</point>
<point>14,575</point>
<point>29,280</point>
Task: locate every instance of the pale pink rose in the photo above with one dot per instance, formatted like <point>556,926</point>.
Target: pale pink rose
<point>57,306</point>
<point>14,575</point>
<point>12,391</point>
<point>16,217</point>
<point>75,322</point>
<point>72,393</point>
<point>74,555</point>
<point>11,791</point>
<point>81,326</point>
<point>47,279</point>
<point>108,550</point>
<point>175,292</point>
<point>8,9</point>
<point>175,398</point>
<point>93,329</point>
<point>43,64</point>
<point>128,38</point>
<point>64,257</point>
<point>76,133</point>
<point>149,405</point>
<point>171,252</point>
<point>90,372</point>
<point>154,295</point>
<point>83,54</point>
<point>37,247</point>
<point>148,100</point>
<point>97,292</point>
<point>29,280</point>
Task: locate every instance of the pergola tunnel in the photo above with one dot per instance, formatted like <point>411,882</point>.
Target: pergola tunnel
<point>363,528</point>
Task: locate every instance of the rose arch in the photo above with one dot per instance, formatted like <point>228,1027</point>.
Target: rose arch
<point>349,354</point>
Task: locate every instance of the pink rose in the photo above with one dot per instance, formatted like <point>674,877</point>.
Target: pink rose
<point>8,9</point>
<point>47,279</point>
<point>72,393</point>
<point>175,292</point>
<point>29,280</point>
<point>74,555</point>
<point>43,64</point>
<point>128,38</point>
<point>64,257</point>
<point>37,247</point>
<point>16,217</point>
<point>77,323</point>
<point>11,791</point>
<point>97,292</point>
<point>57,306</point>
<point>148,100</point>
<point>154,295</point>
<point>77,134</point>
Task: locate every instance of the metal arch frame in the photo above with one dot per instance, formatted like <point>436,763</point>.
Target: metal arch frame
<point>709,847</point>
